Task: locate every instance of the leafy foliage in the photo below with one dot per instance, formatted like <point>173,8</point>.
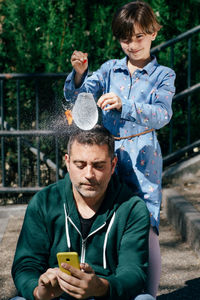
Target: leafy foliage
<point>39,35</point>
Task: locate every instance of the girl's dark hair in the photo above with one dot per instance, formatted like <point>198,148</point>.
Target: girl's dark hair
<point>98,135</point>
<point>134,13</point>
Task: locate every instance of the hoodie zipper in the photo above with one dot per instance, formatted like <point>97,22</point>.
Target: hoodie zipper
<point>84,241</point>
<point>83,250</point>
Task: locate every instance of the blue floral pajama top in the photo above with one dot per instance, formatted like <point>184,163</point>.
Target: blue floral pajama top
<point>146,103</point>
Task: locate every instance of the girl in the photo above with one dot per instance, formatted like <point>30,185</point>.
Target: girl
<point>135,95</point>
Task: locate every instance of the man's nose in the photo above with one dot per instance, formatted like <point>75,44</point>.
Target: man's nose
<point>89,172</point>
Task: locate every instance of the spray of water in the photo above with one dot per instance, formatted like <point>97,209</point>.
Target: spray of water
<point>83,114</point>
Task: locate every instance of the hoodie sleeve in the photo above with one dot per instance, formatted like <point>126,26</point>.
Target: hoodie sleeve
<point>131,273</point>
<point>31,254</point>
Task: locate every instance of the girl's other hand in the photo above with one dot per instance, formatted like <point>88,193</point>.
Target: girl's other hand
<point>79,61</point>
<point>110,101</point>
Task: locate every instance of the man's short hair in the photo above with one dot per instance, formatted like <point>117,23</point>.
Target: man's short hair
<point>98,135</point>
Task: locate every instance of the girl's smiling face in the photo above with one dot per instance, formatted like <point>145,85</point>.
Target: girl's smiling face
<point>138,48</point>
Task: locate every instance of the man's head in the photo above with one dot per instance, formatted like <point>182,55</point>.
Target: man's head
<point>98,135</point>
<point>90,162</point>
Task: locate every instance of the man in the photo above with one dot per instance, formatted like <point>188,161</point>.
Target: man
<point>90,212</point>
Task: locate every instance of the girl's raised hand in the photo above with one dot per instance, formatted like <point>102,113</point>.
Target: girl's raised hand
<point>110,101</point>
<point>79,61</point>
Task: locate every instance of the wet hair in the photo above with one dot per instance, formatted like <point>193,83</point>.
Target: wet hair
<point>98,135</point>
<point>134,13</point>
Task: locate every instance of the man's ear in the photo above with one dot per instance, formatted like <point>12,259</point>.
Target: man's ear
<point>67,161</point>
<point>114,162</point>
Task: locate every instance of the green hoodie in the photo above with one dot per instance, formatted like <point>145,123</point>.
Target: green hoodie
<point>116,247</point>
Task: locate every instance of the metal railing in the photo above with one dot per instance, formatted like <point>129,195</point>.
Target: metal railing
<point>171,43</point>
<point>8,131</point>
<point>22,135</point>
<point>176,155</point>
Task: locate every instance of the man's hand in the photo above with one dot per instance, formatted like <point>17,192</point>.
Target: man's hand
<point>110,99</point>
<point>48,287</point>
<point>83,283</point>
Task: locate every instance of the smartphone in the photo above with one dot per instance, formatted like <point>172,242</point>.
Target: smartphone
<point>70,258</point>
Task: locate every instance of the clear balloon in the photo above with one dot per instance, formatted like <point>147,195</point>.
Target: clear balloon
<point>85,111</point>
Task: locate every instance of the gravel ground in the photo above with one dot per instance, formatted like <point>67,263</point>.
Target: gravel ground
<point>180,265</point>
<point>180,277</point>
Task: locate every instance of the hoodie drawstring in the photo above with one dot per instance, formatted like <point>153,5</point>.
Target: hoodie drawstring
<point>105,241</point>
<point>67,229</point>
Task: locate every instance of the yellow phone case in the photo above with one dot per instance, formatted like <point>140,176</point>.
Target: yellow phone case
<point>70,258</point>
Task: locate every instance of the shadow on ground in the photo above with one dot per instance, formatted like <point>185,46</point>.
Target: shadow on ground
<point>190,291</point>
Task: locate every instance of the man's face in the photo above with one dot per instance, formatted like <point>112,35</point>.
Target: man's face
<point>90,168</point>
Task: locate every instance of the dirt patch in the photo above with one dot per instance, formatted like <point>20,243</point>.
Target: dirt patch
<point>7,250</point>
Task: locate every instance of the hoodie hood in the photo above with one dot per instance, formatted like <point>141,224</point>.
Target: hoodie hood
<point>117,193</point>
